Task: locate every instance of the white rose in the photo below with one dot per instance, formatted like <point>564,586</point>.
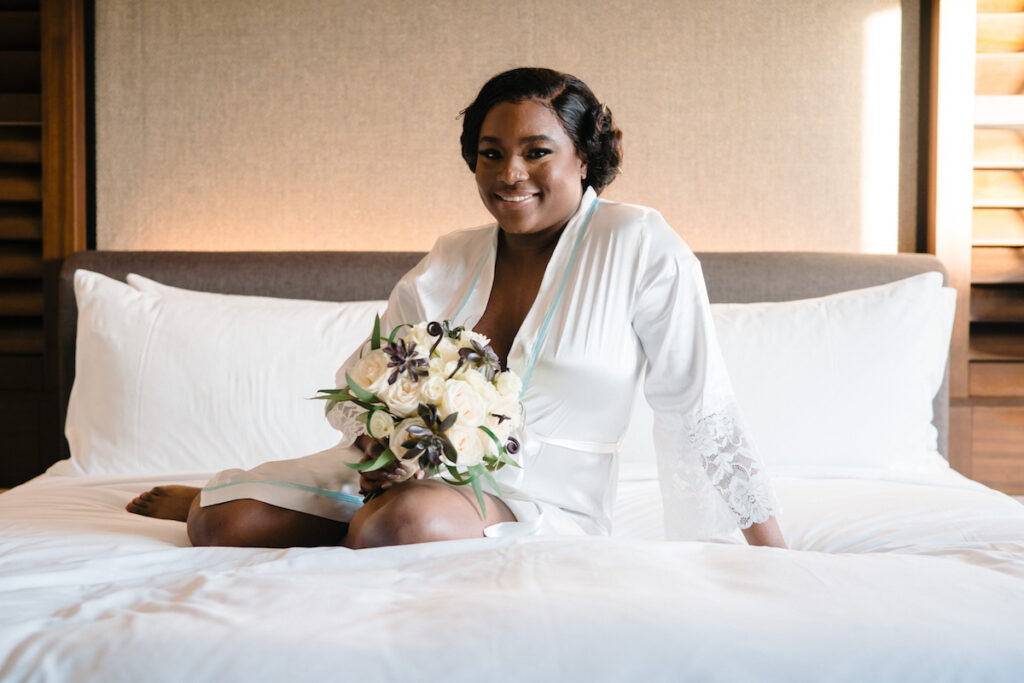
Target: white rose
<point>509,385</point>
<point>474,379</point>
<point>511,408</point>
<point>371,371</point>
<point>381,425</point>
<point>449,370</point>
<point>468,445</point>
<point>448,350</point>
<point>484,389</point>
<point>401,435</point>
<point>402,397</point>
<point>460,397</point>
<point>432,389</point>
<point>469,336</point>
<point>501,428</point>
<point>418,334</point>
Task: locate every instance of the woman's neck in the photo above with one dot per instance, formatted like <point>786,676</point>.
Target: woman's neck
<point>531,245</point>
<point>534,244</point>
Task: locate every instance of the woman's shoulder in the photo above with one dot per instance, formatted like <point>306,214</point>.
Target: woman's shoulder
<point>641,227</point>
<point>459,242</point>
<point>451,255</point>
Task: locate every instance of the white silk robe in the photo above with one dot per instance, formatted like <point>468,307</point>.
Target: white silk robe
<point>621,292</point>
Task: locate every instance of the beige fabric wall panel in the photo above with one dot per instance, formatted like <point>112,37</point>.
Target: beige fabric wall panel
<point>304,124</point>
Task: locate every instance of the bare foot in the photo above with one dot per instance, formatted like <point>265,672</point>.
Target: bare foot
<point>164,502</point>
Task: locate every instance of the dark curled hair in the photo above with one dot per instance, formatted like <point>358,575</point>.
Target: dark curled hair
<point>587,122</point>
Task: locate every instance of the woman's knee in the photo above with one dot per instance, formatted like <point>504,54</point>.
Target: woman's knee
<point>416,512</point>
<point>216,525</point>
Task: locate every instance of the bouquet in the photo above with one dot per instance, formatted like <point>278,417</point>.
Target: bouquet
<point>436,395</point>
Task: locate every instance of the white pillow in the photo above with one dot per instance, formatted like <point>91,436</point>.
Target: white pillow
<point>837,382</point>
<point>170,380</point>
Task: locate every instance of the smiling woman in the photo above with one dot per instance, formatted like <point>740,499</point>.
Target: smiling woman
<point>528,171</point>
<point>582,298</point>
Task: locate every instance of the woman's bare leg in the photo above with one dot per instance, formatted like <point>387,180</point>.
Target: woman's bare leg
<point>419,511</point>
<point>252,523</point>
<point>416,511</point>
<point>242,522</point>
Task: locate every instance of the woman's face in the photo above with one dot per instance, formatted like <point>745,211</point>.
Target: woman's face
<point>527,169</point>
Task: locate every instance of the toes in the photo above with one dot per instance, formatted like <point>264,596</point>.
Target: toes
<point>137,506</point>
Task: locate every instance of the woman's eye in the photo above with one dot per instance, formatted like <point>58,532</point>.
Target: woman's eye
<point>537,153</point>
<point>489,154</point>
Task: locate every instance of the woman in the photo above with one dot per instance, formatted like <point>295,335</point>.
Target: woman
<point>577,295</point>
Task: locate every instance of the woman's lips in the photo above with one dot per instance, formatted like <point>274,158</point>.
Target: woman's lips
<point>514,198</point>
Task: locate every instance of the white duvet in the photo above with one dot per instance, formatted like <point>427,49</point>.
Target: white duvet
<point>891,578</point>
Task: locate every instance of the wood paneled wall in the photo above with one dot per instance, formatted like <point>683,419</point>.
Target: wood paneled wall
<point>42,214</point>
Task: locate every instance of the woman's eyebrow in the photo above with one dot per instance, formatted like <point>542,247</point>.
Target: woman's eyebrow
<point>526,140</point>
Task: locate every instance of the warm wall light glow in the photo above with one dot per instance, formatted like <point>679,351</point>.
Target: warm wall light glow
<point>880,133</point>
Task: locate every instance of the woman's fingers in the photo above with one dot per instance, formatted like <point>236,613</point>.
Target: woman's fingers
<point>383,478</point>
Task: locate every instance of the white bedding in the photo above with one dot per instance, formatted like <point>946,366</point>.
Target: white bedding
<point>897,578</point>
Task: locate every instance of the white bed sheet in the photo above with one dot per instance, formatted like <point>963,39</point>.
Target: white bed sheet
<point>899,580</point>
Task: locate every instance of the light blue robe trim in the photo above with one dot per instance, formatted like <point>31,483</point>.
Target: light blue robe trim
<point>346,497</point>
<point>558,297</point>
<point>472,285</point>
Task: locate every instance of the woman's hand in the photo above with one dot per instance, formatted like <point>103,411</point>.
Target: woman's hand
<point>766,533</point>
<point>381,480</point>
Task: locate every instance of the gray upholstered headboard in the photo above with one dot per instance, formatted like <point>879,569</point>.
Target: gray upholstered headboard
<point>737,277</point>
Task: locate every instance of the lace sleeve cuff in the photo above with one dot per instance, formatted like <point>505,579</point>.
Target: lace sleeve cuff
<point>345,418</point>
<point>732,467</point>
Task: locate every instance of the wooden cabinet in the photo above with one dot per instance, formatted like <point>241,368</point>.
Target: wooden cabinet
<point>996,347</point>
<point>997,439</point>
<point>976,217</point>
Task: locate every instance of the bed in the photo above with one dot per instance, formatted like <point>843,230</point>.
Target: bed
<point>900,569</point>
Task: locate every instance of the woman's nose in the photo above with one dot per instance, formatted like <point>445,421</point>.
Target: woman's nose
<point>513,170</point>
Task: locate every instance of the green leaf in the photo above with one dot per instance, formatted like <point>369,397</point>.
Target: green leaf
<point>395,331</point>
<point>330,406</point>
<point>491,480</point>
<point>358,391</point>
<point>507,459</point>
<point>385,458</point>
<point>375,337</point>
<point>363,403</point>
<point>458,478</point>
<point>494,438</point>
<point>474,472</point>
<point>329,393</point>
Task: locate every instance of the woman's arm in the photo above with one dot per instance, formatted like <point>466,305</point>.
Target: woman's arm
<point>715,479</point>
<point>766,533</point>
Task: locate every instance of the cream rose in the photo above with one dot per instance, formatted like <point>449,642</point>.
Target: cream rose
<point>448,350</point>
<point>418,334</point>
<point>460,397</point>
<point>432,388</point>
<point>380,425</point>
<point>402,397</point>
<point>450,370</point>
<point>467,337</point>
<point>371,371</point>
<point>501,428</point>
<point>484,389</point>
<point>511,408</point>
<point>468,445</point>
<point>509,385</point>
